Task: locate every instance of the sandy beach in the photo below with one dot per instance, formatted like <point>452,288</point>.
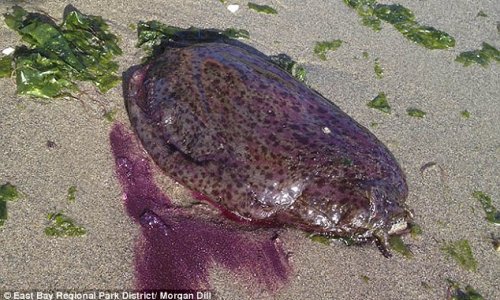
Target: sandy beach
<point>464,153</point>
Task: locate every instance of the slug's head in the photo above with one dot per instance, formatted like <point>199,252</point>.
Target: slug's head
<point>363,211</point>
<point>382,213</point>
<point>388,214</point>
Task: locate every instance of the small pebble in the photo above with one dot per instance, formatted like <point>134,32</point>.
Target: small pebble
<point>8,51</point>
<point>233,7</point>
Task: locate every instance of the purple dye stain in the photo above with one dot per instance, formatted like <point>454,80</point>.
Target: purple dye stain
<point>177,250</point>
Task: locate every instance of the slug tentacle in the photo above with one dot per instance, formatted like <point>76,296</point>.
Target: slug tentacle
<point>381,241</point>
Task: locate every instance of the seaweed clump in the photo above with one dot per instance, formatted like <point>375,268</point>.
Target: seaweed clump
<point>8,192</point>
<point>403,19</point>
<point>57,56</point>
<point>380,102</point>
<point>63,226</point>
<point>482,56</point>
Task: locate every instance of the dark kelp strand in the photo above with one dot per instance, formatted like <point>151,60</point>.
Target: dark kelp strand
<point>264,9</point>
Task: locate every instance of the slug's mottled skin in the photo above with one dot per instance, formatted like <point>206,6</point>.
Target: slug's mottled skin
<point>229,124</point>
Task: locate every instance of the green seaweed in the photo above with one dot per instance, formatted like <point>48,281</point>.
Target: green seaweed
<point>8,192</point>
<point>365,55</point>
<point>42,77</point>
<point>481,56</point>
<point>3,212</point>
<point>57,56</point>
<point>456,293</point>
<point>481,14</point>
<point>289,65</point>
<point>15,19</point>
<point>235,33</point>
<point>461,252</point>
<point>465,114</point>
<point>110,115</point>
<point>379,71</point>
<point>365,278</point>
<point>152,35</point>
<point>492,214</point>
<point>403,20</point>
<point>6,66</point>
<point>415,112</point>
<point>380,102</point>
<point>399,246</point>
<point>415,230</point>
<point>264,9</point>
<point>372,21</point>
<point>132,26</point>
<point>321,48</point>
<point>365,10</point>
<point>72,193</point>
<point>63,226</point>
<point>318,238</point>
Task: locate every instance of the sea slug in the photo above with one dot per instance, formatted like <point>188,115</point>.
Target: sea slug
<point>226,122</point>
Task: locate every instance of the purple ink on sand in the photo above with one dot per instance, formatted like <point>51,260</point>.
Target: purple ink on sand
<point>176,249</point>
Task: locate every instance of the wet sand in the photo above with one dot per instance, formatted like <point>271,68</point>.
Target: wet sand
<point>466,152</point>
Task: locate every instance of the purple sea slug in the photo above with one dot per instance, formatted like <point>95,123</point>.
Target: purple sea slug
<point>231,125</point>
